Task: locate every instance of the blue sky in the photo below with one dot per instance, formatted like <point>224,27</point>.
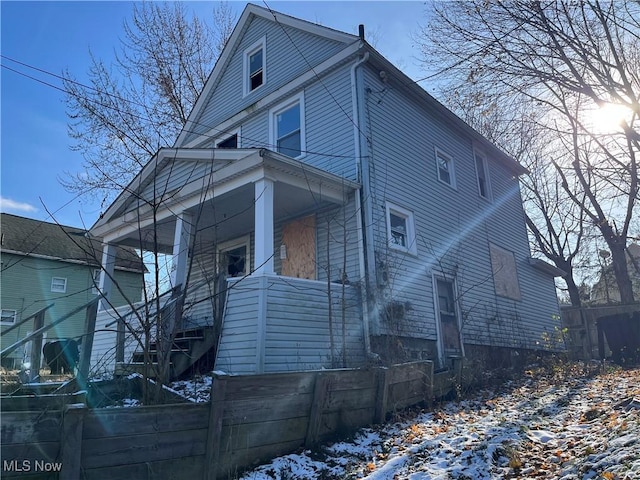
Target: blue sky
<point>54,36</point>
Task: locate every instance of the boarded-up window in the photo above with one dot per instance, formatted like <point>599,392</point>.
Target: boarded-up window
<point>505,274</point>
<point>298,250</point>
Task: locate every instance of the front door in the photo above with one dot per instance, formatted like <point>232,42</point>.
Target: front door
<point>448,318</point>
<point>298,250</point>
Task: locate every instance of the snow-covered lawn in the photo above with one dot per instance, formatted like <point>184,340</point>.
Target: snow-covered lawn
<point>572,426</point>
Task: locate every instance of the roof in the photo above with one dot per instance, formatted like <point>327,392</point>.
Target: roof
<point>26,236</point>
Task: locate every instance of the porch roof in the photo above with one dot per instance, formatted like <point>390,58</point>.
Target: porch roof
<point>176,179</point>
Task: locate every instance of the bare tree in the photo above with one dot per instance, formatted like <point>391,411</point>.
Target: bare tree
<point>558,66</point>
<point>142,99</point>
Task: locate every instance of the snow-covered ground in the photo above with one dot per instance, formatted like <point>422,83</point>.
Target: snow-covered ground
<point>572,426</point>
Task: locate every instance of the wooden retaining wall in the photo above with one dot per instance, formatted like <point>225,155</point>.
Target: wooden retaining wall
<point>249,420</point>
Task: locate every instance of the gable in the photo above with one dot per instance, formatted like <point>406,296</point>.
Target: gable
<point>291,48</point>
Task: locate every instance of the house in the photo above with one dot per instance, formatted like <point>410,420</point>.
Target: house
<point>48,264</point>
<point>605,290</point>
<point>322,209</point>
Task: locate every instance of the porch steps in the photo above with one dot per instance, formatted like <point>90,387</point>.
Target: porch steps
<point>188,347</point>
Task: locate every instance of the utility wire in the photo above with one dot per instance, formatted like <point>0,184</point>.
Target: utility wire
<point>139,116</point>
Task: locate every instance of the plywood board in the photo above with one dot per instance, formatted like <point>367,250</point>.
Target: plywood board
<point>299,248</point>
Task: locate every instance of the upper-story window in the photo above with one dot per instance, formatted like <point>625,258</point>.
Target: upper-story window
<point>254,66</point>
<point>95,281</point>
<point>58,284</point>
<point>401,229</point>
<point>445,166</point>
<point>287,127</point>
<point>482,175</point>
<point>8,317</point>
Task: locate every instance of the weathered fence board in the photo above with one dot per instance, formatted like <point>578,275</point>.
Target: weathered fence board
<point>143,448</point>
<point>248,420</point>
<point>175,468</point>
<point>117,422</point>
<point>30,427</point>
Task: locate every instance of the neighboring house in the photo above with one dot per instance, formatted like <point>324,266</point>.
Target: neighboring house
<point>605,291</point>
<point>327,211</point>
<point>45,263</point>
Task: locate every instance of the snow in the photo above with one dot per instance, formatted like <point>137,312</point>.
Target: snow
<point>569,426</point>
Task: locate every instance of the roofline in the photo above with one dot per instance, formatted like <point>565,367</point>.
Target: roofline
<point>546,267</point>
<point>39,222</point>
<point>257,11</point>
<point>157,162</point>
<point>443,111</point>
<point>299,165</point>
<point>66,260</point>
<point>248,162</point>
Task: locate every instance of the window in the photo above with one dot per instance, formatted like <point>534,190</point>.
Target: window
<point>446,171</point>
<point>58,285</point>
<point>95,282</point>
<point>254,66</point>
<point>230,142</point>
<point>505,275</point>
<point>401,229</point>
<point>8,317</point>
<point>234,257</point>
<point>287,128</point>
<point>482,174</point>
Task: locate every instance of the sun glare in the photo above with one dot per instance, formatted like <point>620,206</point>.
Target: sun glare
<point>609,117</point>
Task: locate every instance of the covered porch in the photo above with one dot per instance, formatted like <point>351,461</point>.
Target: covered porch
<point>253,236</point>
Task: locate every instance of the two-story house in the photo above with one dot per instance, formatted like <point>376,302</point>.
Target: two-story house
<point>322,209</point>
<point>48,264</point>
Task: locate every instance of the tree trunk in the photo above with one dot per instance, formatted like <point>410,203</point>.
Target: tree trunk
<point>621,270</point>
<point>574,291</point>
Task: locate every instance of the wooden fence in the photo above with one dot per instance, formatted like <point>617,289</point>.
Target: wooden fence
<point>582,330</point>
<point>250,419</point>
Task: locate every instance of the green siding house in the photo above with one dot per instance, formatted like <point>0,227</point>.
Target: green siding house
<point>45,263</point>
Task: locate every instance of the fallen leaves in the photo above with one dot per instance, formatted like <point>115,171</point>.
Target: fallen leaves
<point>576,428</point>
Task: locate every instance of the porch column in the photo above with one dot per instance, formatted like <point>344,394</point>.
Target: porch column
<point>106,274</point>
<point>263,226</point>
<point>181,242</point>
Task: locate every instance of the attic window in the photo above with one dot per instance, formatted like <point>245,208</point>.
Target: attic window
<point>254,66</point>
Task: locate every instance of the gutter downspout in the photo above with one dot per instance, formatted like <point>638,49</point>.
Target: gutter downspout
<point>362,166</point>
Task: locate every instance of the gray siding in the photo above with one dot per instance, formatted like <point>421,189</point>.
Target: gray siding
<point>297,333</point>
<point>239,339</point>
<point>283,64</point>
<point>454,226</point>
<point>282,324</point>
<point>328,125</point>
